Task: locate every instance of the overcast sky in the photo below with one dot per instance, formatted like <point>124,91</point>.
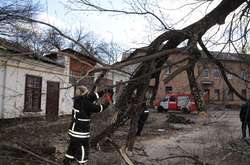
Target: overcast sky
<point>130,31</point>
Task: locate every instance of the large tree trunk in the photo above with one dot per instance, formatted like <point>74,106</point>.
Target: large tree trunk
<point>195,90</point>
<point>134,117</point>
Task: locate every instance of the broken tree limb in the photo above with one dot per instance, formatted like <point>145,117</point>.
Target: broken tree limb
<point>18,148</point>
<point>223,158</point>
<point>194,158</point>
<point>217,119</point>
<point>172,118</point>
<point>121,120</point>
<point>121,151</point>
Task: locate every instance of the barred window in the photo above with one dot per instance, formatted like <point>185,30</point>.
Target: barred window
<point>32,100</point>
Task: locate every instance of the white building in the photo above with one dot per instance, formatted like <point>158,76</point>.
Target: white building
<point>31,86</point>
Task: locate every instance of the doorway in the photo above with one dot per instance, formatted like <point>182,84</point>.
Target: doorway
<point>52,100</point>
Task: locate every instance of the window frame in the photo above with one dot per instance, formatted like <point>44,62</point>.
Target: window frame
<point>203,71</point>
<point>228,95</point>
<point>229,76</point>
<point>216,73</point>
<point>244,92</point>
<point>32,92</point>
<point>217,94</point>
<point>243,74</point>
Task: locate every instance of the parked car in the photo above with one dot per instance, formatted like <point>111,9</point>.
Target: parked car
<point>183,102</point>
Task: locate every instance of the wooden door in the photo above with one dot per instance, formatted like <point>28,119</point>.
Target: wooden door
<point>207,95</point>
<point>52,100</point>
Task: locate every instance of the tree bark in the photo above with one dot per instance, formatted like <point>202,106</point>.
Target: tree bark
<point>195,90</point>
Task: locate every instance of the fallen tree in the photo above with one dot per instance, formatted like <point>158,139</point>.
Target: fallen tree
<point>130,101</point>
<point>169,40</point>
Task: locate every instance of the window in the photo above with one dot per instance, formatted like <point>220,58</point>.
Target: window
<point>32,100</point>
<point>168,89</point>
<point>229,76</point>
<point>244,93</point>
<point>228,95</point>
<point>75,74</point>
<point>205,72</point>
<point>168,70</point>
<point>243,74</point>
<point>216,73</point>
<point>217,94</point>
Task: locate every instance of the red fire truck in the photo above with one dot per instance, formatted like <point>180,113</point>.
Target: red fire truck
<point>178,102</point>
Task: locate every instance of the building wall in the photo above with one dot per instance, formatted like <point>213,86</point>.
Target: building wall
<point>180,82</point>
<point>2,86</point>
<point>219,84</point>
<point>117,78</point>
<point>16,70</point>
<point>79,68</point>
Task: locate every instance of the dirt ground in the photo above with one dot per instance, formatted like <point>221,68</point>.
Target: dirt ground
<point>212,139</point>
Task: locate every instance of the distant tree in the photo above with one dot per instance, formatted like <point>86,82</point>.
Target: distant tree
<point>108,52</point>
<point>9,15</point>
<point>111,52</point>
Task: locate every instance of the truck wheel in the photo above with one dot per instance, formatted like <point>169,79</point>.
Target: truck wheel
<point>160,109</point>
<point>185,110</point>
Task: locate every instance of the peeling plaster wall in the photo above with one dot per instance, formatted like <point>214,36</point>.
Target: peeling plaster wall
<point>16,71</point>
<point>2,85</point>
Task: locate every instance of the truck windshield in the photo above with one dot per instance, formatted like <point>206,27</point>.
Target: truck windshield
<point>165,98</point>
<point>183,100</point>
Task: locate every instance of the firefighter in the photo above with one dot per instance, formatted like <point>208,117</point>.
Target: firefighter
<point>79,131</point>
<point>245,118</point>
<point>142,119</point>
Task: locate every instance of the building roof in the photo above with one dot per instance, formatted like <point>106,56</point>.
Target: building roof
<point>218,55</point>
<point>227,56</point>
<point>12,46</point>
<point>19,50</point>
<point>91,58</point>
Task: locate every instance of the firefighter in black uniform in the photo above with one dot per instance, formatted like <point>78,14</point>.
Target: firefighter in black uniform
<point>79,131</point>
<point>142,119</point>
<point>245,118</point>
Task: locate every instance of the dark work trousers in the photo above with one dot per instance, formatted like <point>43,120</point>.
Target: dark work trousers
<point>142,119</point>
<point>244,129</point>
<point>78,149</point>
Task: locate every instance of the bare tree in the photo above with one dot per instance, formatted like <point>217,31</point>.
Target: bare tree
<point>9,11</point>
<point>108,52</point>
<point>168,43</point>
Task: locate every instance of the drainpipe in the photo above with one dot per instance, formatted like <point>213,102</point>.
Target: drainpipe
<point>3,90</point>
